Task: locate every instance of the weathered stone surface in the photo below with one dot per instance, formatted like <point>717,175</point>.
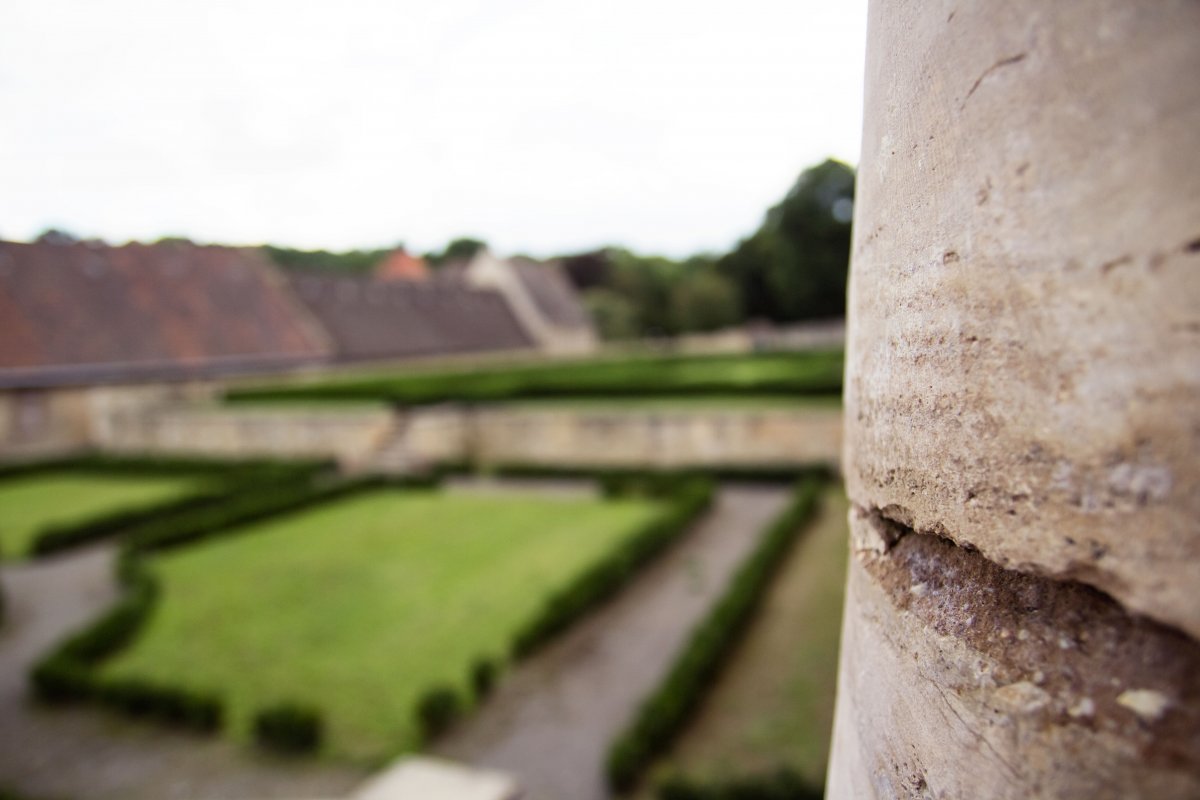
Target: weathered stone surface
<point>637,438</point>
<point>1023,360</point>
<point>238,433</point>
<point>962,679</point>
<point>563,437</point>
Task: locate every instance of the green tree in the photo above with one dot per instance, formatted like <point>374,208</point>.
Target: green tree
<point>794,266</point>
<point>349,262</point>
<point>459,249</point>
<point>614,314</point>
<point>703,300</point>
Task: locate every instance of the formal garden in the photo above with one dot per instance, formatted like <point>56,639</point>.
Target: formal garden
<point>352,619</point>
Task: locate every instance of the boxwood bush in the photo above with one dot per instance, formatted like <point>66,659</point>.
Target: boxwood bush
<point>483,677</point>
<point>664,713</point>
<point>783,784</point>
<point>437,710</point>
<point>289,728</point>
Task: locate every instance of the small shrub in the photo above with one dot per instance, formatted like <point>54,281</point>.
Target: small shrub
<point>437,710</point>
<point>483,677</point>
<point>783,784</point>
<point>175,706</point>
<point>289,728</point>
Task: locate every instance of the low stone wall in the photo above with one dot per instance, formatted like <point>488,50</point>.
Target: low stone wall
<point>665,438</point>
<point>348,436</point>
<point>552,436</point>
<point>37,423</point>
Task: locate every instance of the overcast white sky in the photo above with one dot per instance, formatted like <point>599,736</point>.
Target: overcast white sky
<point>542,126</point>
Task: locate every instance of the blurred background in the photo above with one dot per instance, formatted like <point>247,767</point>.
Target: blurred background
<point>401,392</point>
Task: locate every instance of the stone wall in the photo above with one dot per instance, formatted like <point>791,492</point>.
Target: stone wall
<point>549,436</point>
<point>664,438</point>
<point>348,436</point>
<point>1023,363</point>
<point>36,422</point>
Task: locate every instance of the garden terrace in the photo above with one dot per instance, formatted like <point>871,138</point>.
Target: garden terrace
<point>359,607</point>
<point>791,373</point>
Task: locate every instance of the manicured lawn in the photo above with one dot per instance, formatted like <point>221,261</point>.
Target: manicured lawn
<point>773,704</point>
<point>790,374</point>
<point>33,503</point>
<point>359,606</point>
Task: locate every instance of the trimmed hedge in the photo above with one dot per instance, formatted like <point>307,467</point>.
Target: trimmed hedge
<point>664,713</point>
<point>68,673</point>
<point>784,784</point>
<point>229,479</point>
<point>483,677</point>
<point>607,476</point>
<point>437,710</point>
<point>800,373</point>
<point>690,497</point>
<point>289,728</point>
<point>135,464</point>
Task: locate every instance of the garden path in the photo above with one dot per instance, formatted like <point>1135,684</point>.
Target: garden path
<point>551,719</point>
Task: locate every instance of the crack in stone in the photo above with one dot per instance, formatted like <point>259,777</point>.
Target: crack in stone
<point>1004,62</point>
<point>1078,646</point>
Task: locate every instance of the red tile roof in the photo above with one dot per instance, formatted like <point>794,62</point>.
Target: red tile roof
<point>88,313</point>
<point>402,266</point>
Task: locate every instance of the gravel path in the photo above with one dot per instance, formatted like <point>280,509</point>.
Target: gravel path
<point>552,718</point>
<point>82,753</point>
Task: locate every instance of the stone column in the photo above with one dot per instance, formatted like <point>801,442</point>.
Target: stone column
<point>1023,405</point>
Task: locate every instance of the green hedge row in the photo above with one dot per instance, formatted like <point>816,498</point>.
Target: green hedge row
<point>68,673</point>
<point>154,464</point>
<point>228,478</point>
<point>807,373</point>
<point>440,706</point>
<point>784,784</point>
<point>289,728</point>
<point>765,473</point>
<point>664,713</point>
<point>690,496</point>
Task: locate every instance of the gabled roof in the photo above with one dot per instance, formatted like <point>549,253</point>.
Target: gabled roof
<point>551,292</point>
<point>84,313</point>
<point>372,319</point>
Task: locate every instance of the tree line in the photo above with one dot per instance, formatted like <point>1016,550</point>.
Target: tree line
<point>792,268</point>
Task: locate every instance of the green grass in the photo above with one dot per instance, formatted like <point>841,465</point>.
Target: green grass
<point>773,704</point>
<point>32,503</point>
<point>813,373</point>
<point>360,606</point>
